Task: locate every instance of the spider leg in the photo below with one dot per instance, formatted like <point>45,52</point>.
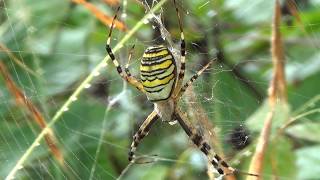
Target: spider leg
<point>129,59</point>
<point>192,79</point>
<point>182,52</point>
<point>130,79</point>
<point>203,145</point>
<point>141,133</point>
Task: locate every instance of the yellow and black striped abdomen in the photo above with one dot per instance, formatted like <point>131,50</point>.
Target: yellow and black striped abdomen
<point>158,73</point>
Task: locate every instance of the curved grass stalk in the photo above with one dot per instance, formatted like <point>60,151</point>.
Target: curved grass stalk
<point>75,94</point>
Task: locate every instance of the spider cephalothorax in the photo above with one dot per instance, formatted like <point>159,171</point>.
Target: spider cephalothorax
<point>162,82</point>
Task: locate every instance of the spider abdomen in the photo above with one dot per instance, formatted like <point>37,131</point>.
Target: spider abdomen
<point>158,73</point>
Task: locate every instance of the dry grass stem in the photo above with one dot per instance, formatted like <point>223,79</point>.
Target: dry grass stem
<point>294,12</point>
<point>256,165</point>
<point>111,2</point>
<point>16,60</point>
<point>106,20</point>
<point>23,101</point>
<point>277,92</point>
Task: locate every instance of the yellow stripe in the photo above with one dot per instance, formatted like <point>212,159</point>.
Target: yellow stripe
<point>160,75</point>
<point>161,53</point>
<point>157,82</point>
<point>163,65</point>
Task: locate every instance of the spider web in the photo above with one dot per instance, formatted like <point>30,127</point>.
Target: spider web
<point>59,44</point>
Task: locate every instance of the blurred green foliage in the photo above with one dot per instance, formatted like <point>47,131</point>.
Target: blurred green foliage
<point>62,42</point>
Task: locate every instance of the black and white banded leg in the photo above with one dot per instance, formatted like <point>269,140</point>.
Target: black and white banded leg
<point>129,59</point>
<point>130,79</point>
<point>192,79</point>
<point>203,145</point>
<point>182,52</point>
<point>141,133</point>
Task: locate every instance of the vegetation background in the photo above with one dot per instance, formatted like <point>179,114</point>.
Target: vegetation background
<point>58,72</point>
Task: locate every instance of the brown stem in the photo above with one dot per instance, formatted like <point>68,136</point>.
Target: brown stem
<point>278,84</point>
<point>277,91</point>
<point>105,19</point>
<point>4,48</point>
<point>256,164</point>
<point>22,100</point>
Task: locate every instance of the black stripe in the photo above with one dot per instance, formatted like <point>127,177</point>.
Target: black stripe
<point>197,139</point>
<point>130,153</point>
<point>220,171</point>
<point>217,157</point>
<point>110,52</point>
<point>181,73</point>
<point>152,121</point>
<point>206,145</point>
<point>154,91</point>
<point>155,74</point>
<point>152,50</point>
<point>214,163</point>
<point>194,77</point>
<point>119,69</point>
<point>159,84</point>
<point>156,100</point>
<point>152,58</point>
<point>155,77</point>
<point>152,63</point>
<point>224,164</point>
<point>183,125</point>
<point>127,71</point>
<point>204,150</point>
<point>135,143</point>
<point>151,71</point>
<point>183,48</point>
<point>139,131</point>
<point>183,66</point>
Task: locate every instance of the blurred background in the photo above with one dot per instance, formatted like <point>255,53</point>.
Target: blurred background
<point>55,70</point>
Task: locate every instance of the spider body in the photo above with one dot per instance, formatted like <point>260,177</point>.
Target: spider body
<point>158,73</point>
<point>162,82</point>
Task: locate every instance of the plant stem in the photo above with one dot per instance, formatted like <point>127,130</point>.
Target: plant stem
<point>277,91</point>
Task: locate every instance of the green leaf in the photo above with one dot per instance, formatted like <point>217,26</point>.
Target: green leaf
<point>308,131</point>
<point>308,162</point>
<point>281,114</point>
<point>156,173</point>
<point>280,159</point>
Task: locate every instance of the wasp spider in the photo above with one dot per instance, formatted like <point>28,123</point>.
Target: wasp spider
<point>162,82</point>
